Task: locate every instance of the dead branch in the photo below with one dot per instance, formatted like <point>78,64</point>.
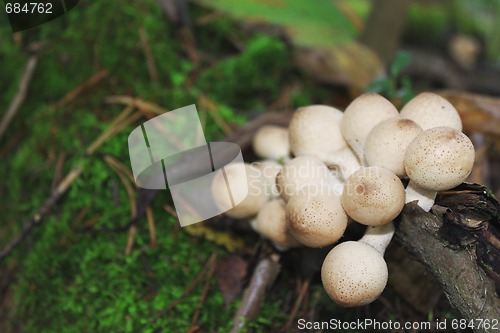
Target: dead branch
<point>148,53</point>
<point>18,100</point>
<point>120,122</point>
<point>453,253</point>
<point>263,276</point>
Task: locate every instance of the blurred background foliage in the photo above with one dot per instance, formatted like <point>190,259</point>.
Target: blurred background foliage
<point>235,60</point>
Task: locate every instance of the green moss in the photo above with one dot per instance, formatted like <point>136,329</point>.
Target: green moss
<point>255,72</point>
<point>75,281</point>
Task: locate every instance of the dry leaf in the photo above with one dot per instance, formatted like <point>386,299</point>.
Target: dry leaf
<point>230,273</point>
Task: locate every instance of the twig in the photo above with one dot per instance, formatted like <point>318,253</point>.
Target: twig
<point>136,102</point>
<point>296,306</point>
<point>212,265</point>
<point>263,276</point>
<point>37,218</point>
<point>130,239</point>
<point>113,128</point>
<point>150,62</point>
<point>58,170</point>
<point>18,100</point>
<point>63,186</point>
<point>73,94</point>
<point>123,174</point>
<point>211,107</point>
<point>188,289</point>
<point>151,226</point>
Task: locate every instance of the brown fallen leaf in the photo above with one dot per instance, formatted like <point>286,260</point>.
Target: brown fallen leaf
<point>351,64</point>
<point>230,272</point>
<point>479,113</point>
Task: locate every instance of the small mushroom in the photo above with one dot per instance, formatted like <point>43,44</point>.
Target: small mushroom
<point>271,142</point>
<point>315,131</point>
<point>355,273</point>
<point>315,216</point>
<point>269,169</point>
<point>271,223</point>
<point>438,159</point>
<point>387,143</point>
<point>240,182</point>
<point>364,113</point>
<point>430,110</point>
<point>373,196</point>
<point>299,172</point>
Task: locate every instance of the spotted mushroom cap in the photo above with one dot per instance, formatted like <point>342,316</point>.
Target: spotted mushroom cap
<point>439,159</point>
<point>373,196</point>
<point>364,113</point>
<point>315,131</point>
<point>248,179</point>
<point>269,169</point>
<point>271,142</point>
<point>315,216</point>
<point>354,274</point>
<point>430,110</point>
<point>271,223</point>
<point>387,143</point>
<point>299,172</point>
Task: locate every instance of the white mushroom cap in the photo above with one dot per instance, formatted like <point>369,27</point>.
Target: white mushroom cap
<point>439,159</point>
<point>373,196</point>
<point>364,113</point>
<point>354,274</point>
<point>387,143</point>
<point>315,216</point>
<point>299,172</point>
<point>315,131</point>
<point>345,160</point>
<point>430,110</point>
<point>271,223</point>
<point>269,170</point>
<point>248,179</point>
<point>271,142</point>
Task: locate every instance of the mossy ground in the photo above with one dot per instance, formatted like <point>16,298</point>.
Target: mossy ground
<point>67,280</point>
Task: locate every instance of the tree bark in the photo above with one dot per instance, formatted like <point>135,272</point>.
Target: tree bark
<point>456,266</point>
<point>385,26</point>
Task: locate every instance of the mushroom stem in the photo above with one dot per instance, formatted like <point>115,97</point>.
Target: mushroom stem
<point>425,198</point>
<point>379,237</point>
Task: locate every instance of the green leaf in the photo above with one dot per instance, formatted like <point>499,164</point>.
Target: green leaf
<point>307,23</point>
<point>401,60</point>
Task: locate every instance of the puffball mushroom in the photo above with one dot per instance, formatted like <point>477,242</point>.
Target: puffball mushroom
<point>430,110</point>
<point>271,223</point>
<point>271,142</point>
<point>373,196</point>
<point>387,142</point>
<point>364,113</point>
<point>315,216</point>
<point>251,180</point>
<point>269,169</point>
<point>355,273</point>
<point>437,159</point>
<point>315,131</point>
<point>299,172</point>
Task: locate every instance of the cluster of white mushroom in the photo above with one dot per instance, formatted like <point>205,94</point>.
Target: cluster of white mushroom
<point>346,167</point>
